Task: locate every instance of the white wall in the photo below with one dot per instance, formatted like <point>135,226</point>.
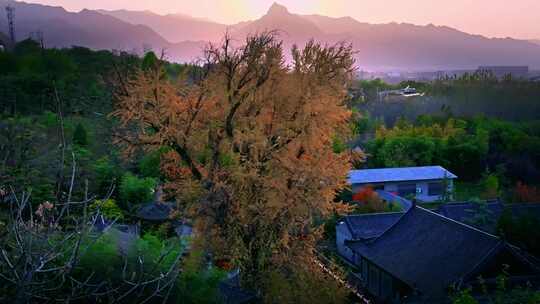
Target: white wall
<point>423,185</point>
<point>342,234</point>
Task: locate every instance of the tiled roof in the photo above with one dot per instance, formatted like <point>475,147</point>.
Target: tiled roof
<point>428,251</point>
<point>365,226</point>
<point>485,217</point>
<point>156,211</point>
<point>366,176</point>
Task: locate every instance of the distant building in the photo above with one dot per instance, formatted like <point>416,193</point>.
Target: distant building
<point>424,183</point>
<point>501,71</point>
<point>418,255</point>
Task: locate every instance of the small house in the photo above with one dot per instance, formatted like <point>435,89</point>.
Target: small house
<point>428,184</point>
<point>418,256</point>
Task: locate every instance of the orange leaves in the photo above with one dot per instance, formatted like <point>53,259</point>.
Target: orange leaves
<point>253,140</point>
<point>172,168</point>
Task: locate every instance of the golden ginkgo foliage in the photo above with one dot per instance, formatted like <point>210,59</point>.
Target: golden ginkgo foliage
<point>251,157</point>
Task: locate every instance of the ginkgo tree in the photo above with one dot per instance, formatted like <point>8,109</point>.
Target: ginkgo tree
<point>250,137</point>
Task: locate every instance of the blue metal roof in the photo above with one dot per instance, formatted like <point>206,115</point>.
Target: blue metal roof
<point>367,176</point>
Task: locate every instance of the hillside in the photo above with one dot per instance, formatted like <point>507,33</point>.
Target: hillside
<point>88,28</point>
<point>401,45</point>
<point>292,28</point>
<point>173,27</point>
<point>379,46</point>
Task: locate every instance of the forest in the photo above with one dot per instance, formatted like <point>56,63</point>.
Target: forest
<point>252,152</point>
<point>90,137</point>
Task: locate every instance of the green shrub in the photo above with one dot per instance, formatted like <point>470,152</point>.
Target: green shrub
<point>393,207</point>
<point>158,255</point>
<point>106,172</point>
<point>108,209</point>
<point>491,186</point>
<point>338,145</point>
<point>135,190</point>
<point>330,227</point>
<point>101,257</point>
<point>80,136</point>
<point>150,164</point>
<point>464,297</point>
<point>150,61</point>
<point>197,283</point>
<point>226,160</point>
<point>49,119</point>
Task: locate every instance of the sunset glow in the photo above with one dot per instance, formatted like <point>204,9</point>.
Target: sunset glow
<point>492,18</point>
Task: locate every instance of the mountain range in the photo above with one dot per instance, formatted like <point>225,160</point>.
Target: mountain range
<point>378,46</point>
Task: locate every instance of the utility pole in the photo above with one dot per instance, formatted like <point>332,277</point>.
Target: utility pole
<point>10,10</point>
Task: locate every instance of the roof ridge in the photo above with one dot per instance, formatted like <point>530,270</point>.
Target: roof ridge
<point>484,258</point>
<point>393,225</point>
<point>374,214</point>
<point>468,203</point>
<point>521,204</point>
<point>457,222</point>
<point>400,168</point>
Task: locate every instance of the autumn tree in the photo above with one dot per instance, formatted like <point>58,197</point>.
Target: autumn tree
<point>250,157</point>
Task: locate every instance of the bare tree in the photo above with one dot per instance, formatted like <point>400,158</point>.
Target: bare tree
<point>41,252</point>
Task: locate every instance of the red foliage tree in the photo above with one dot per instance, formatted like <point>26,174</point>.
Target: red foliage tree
<point>364,195</point>
<point>526,194</point>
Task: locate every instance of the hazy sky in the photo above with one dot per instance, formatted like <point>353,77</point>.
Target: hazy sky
<point>493,18</point>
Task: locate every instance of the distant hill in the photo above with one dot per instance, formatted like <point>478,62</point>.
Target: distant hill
<point>401,45</point>
<point>173,27</point>
<point>378,46</point>
<point>92,29</point>
<point>535,41</point>
<point>291,27</point>
<point>87,28</point>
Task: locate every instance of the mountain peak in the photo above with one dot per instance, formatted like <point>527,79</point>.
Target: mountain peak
<point>277,9</point>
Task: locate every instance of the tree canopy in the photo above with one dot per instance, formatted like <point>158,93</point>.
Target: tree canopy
<point>253,139</point>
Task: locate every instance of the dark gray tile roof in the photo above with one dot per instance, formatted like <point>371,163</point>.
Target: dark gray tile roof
<point>524,209</point>
<point>485,217</point>
<point>366,176</point>
<point>428,251</point>
<point>156,211</point>
<point>365,226</point>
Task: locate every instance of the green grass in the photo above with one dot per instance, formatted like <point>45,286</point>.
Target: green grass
<point>463,191</point>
